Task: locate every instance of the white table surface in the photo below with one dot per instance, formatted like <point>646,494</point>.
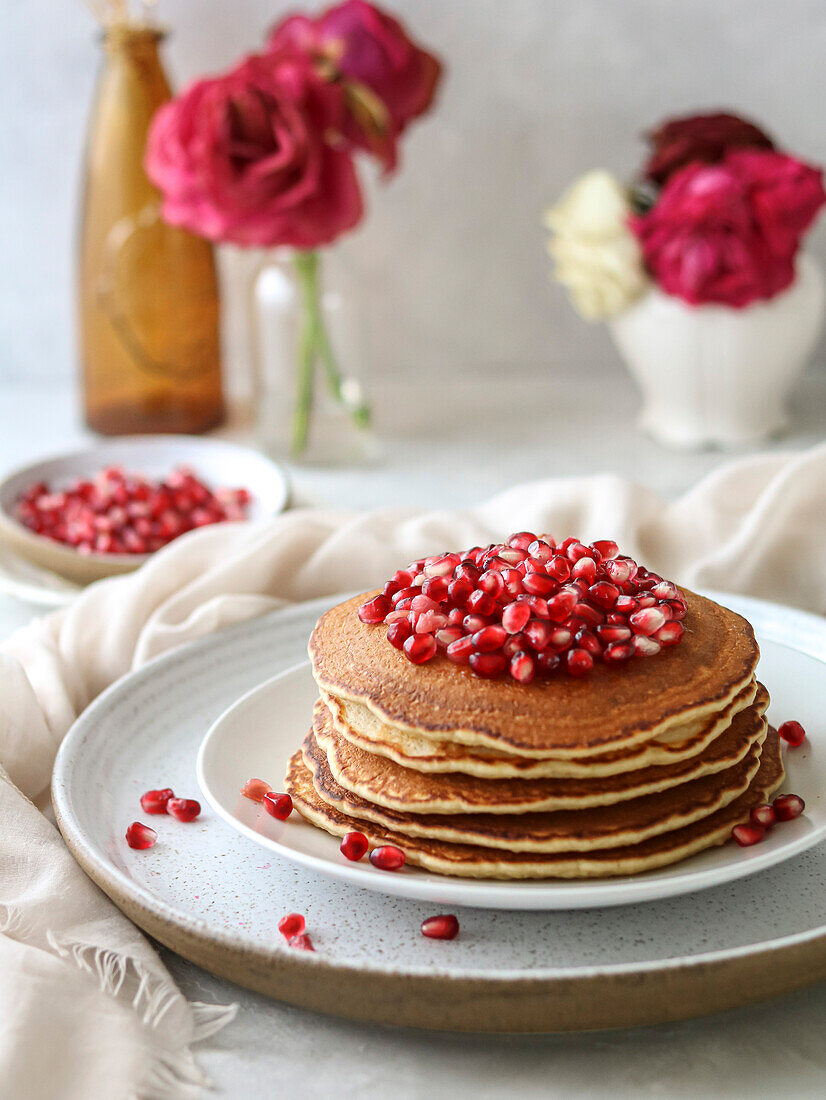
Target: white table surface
<point>448,446</point>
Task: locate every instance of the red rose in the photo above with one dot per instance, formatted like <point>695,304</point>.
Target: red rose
<point>367,49</point>
<point>680,141</point>
<point>728,232</point>
<point>249,158</point>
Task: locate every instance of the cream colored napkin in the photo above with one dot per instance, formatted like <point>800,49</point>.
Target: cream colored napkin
<point>83,999</point>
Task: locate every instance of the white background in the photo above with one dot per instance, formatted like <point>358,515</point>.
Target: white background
<point>449,265</point>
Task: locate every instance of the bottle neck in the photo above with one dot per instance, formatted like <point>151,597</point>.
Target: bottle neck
<point>133,39</point>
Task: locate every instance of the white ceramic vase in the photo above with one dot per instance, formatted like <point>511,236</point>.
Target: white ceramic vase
<point>716,376</point>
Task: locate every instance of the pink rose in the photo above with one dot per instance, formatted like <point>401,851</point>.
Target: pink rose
<point>680,141</point>
<point>250,157</point>
<point>728,232</point>
<point>366,48</point>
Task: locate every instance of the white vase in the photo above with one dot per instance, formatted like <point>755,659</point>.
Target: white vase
<point>716,376</point>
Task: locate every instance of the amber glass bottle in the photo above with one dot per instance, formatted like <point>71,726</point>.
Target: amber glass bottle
<point>148,292</point>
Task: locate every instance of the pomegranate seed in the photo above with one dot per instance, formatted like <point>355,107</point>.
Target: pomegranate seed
<point>443,927</point>
<point>603,594</point>
<point>436,588</point>
<point>560,638</point>
<point>523,667</point>
<point>540,550</point>
<point>255,789</point>
<point>154,802</point>
<point>184,809</point>
<point>489,638</point>
<point>584,570</point>
<point>588,641</point>
<point>420,648</point>
<point>647,622</point>
<point>537,584</point>
<point>579,662</point>
<point>474,623</point>
<point>140,836</point>
<point>664,590</point>
<point>763,816</point>
<point>459,652</point>
<point>561,606</point>
<point>792,732</point>
<point>606,548</point>
<point>388,858</point>
<point>278,805</point>
<point>746,835</point>
<point>670,634</point>
<point>644,647</point>
<point>442,566</point>
<point>456,616</point>
<point>613,633</point>
<point>678,609</point>
<point>403,594</point>
<point>481,603</point>
<point>293,924</point>
<point>618,653</point>
<point>488,665</point>
<point>491,582</point>
<point>788,806</point>
<point>559,568</point>
<point>626,605</point>
<point>538,633</point>
<point>399,632</point>
<point>354,846</point>
<point>521,540</point>
<point>423,603</point>
<point>448,635</point>
<point>431,621</point>
<point>618,571</point>
<point>515,616</point>
<point>301,943</point>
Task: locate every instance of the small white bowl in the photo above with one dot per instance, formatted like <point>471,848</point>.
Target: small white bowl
<point>221,465</point>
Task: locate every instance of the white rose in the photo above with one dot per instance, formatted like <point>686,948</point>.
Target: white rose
<point>597,257</point>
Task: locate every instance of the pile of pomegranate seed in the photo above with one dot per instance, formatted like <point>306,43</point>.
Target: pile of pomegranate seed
<point>443,927</point>
<point>354,846</point>
<point>785,807</point>
<point>529,606</point>
<point>120,513</point>
<point>793,733</point>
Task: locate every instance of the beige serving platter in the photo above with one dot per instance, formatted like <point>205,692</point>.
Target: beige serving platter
<point>213,895</point>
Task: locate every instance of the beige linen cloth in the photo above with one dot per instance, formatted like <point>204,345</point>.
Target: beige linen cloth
<point>86,1007</point>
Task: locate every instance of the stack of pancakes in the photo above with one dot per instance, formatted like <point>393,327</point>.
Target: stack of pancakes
<point>624,771</point>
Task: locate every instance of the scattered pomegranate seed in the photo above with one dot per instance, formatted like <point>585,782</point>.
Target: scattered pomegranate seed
<point>184,809</point>
<point>763,816</point>
<point>354,846</point>
<point>140,836</point>
<point>292,924</point>
<point>120,513</point>
<point>746,835</point>
<point>443,927</point>
<point>388,858</point>
<point>792,732</point>
<point>301,943</point>
<point>278,805</point>
<point>154,802</point>
<point>503,607</point>
<point>255,789</point>
<point>788,806</point>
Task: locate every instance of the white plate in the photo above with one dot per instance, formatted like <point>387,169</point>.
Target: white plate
<point>215,896</point>
<point>257,736</point>
<point>31,583</point>
<point>219,462</point>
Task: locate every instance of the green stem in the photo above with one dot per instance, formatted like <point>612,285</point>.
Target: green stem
<point>305,265</point>
<point>307,271</point>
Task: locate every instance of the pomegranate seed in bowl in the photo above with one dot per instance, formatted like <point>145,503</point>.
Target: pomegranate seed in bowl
<point>140,836</point>
<point>184,809</point>
<point>155,802</point>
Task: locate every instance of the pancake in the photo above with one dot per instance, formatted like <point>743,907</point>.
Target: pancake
<point>384,783</point>
<point>560,717</point>
<point>561,831</point>
<point>362,728</point>
<point>472,861</point>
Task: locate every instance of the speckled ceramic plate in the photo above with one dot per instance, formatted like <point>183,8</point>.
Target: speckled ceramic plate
<point>248,741</point>
<point>215,896</point>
